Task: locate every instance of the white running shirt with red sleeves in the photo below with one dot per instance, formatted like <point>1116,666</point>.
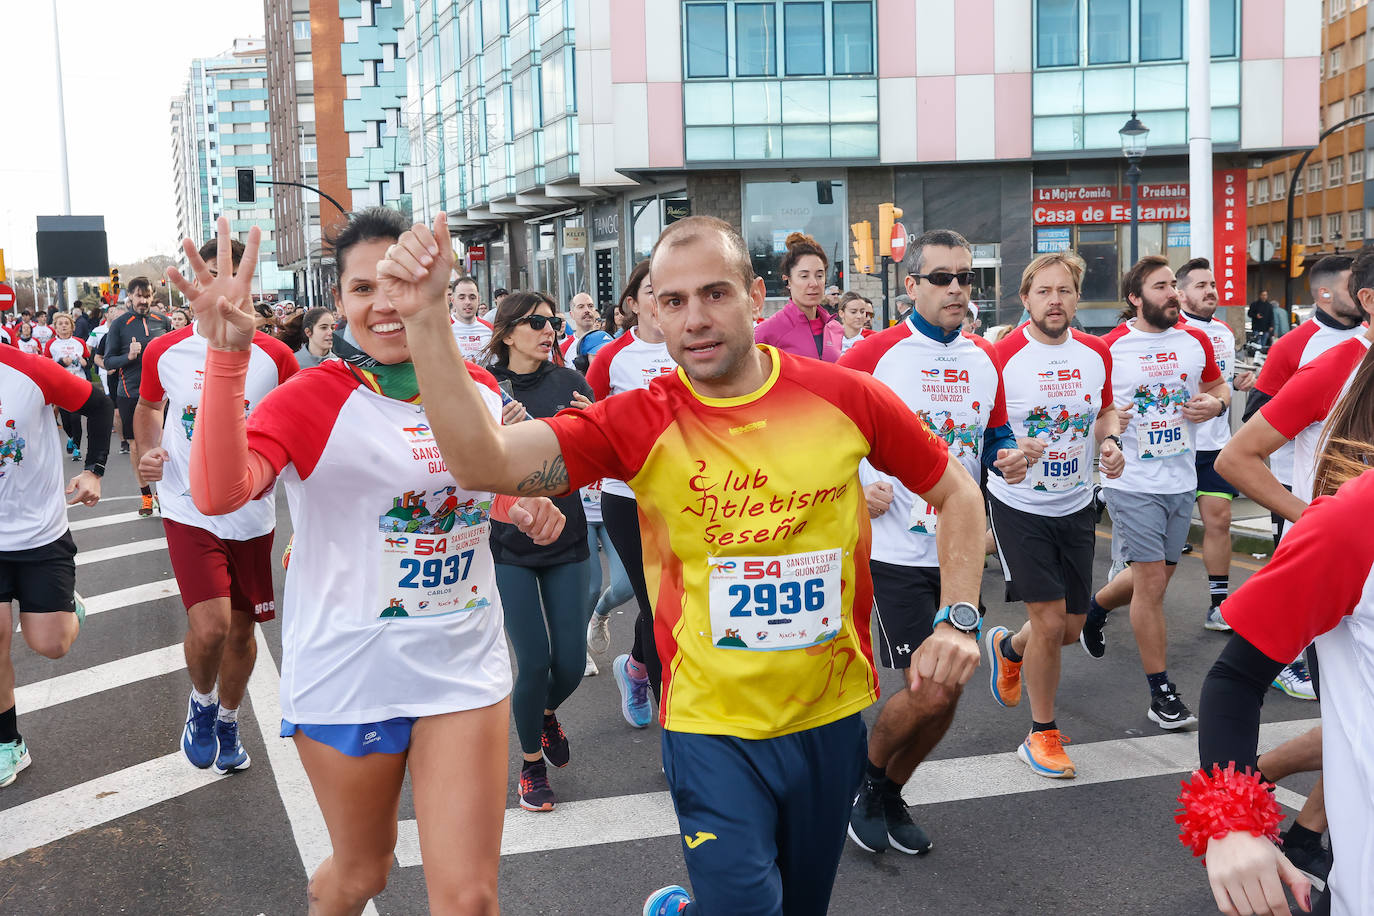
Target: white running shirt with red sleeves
<point>1290,353</point>
<point>627,363</point>
<point>956,390</point>
<point>31,485</point>
<point>1216,432</point>
<point>1055,393</point>
<point>472,338</point>
<point>390,607</point>
<point>1315,589</point>
<point>1155,375</point>
<point>73,349</point>
<point>1299,411</point>
<point>173,369</point>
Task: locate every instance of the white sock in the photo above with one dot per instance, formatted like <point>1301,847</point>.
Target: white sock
<point>228,715</point>
<point>205,699</point>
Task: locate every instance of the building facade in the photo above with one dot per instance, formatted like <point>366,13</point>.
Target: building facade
<point>221,124</point>
<point>562,136</point>
<point>1332,206</point>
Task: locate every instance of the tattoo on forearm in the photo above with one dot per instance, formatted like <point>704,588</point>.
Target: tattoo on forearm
<point>551,478</point>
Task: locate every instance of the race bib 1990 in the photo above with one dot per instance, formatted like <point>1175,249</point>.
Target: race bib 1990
<point>1061,468</point>
<point>785,602</point>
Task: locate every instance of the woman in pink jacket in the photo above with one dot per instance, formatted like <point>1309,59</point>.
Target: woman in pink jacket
<point>803,327</point>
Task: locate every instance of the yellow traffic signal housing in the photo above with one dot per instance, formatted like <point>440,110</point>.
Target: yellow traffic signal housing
<point>863,246</point>
<point>888,214</point>
<point>114,281</point>
<point>1295,259</point>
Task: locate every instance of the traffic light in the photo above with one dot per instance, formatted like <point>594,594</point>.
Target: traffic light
<point>114,282</point>
<point>863,246</point>
<point>104,290</point>
<point>1295,259</point>
<point>887,215</point>
<point>247,186</point>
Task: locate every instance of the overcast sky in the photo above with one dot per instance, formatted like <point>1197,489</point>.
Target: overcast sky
<point>121,65</point>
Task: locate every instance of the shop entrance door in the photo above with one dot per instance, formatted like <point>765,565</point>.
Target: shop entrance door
<point>605,277</point>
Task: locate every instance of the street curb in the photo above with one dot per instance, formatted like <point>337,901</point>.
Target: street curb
<point>1242,541</point>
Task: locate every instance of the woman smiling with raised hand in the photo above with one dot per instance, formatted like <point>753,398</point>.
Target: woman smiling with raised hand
<point>393,652</point>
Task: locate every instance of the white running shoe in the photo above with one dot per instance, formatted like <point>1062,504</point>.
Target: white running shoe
<point>1215,621</point>
<point>1295,681</point>
<point>599,633</point>
<point>591,670</point>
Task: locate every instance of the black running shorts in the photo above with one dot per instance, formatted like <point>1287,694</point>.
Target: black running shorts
<point>905,600</point>
<point>1046,558</point>
<point>41,579</point>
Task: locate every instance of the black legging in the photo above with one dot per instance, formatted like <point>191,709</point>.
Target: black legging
<point>71,425</point>
<point>621,517</point>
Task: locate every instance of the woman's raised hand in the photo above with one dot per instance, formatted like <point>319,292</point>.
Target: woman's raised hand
<point>221,298</point>
<point>414,274</point>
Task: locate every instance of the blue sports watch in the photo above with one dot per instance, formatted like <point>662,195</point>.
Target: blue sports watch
<point>963,617</point>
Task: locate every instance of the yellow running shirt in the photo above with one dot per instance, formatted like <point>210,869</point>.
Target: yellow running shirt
<point>756,535</point>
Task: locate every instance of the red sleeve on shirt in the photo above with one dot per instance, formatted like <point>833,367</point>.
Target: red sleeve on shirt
<point>85,350</point>
<point>864,355</point>
<point>60,388</point>
<point>1210,370</point>
<point>484,321</point>
<point>567,342</point>
<point>599,371</point>
<point>612,437</point>
<point>1282,360</point>
<point>1312,391</point>
<point>1309,585</point>
<point>1115,334</point>
<point>1098,346</point>
<point>281,355</point>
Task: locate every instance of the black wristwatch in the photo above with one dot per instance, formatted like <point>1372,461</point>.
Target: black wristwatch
<point>962,616</point>
<point>96,469</point>
<point>1114,438</point>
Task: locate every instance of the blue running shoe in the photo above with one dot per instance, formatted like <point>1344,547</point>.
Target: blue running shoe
<point>667,901</point>
<point>79,606</point>
<point>634,694</point>
<point>76,454</point>
<point>231,754</point>
<point>71,444</point>
<point>14,756</point>
<point>198,740</point>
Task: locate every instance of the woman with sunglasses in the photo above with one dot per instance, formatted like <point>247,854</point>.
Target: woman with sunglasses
<point>543,587</point>
<point>393,652</point>
<point>803,326</point>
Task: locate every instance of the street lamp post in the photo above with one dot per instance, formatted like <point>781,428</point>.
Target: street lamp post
<point>1133,145</point>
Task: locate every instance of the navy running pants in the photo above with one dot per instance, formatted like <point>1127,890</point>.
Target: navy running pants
<point>763,822</point>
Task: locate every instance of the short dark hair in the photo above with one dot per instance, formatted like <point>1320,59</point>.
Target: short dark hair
<point>939,238</point>
<point>799,245</point>
<point>140,283</point>
<point>1361,271</point>
<point>210,250</point>
<point>466,278</point>
<point>1325,271</point>
<point>1190,266</point>
<point>367,225</point>
<point>691,228</point>
<point>1134,282</point>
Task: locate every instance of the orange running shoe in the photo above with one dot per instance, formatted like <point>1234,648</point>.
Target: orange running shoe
<point>146,509</point>
<point>1005,677</point>
<point>1044,753</point>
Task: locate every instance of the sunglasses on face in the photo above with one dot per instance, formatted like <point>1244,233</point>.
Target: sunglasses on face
<point>945,278</point>
<point>538,322</point>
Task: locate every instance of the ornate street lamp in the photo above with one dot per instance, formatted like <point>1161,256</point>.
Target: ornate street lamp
<point>1133,145</point>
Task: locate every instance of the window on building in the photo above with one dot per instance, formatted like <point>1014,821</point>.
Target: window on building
<point>1337,57</point>
<point>1356,106</point>
<point>1355,223</point>
<point>1109,31</point>
<point>1277,186</point>
<point>1314,230</point>
<point>852,37</point>
<point>1337,9</point>
<point>1334,170</point>
<point>1356,167</point>
<point>1161,30</point>
<point>1314,177</point>
<point>1223,28</point>
<point>308,152</point>
<point>213,164</point>
<point>1357,50</point>
<point>706,42</point>
<point>1261,233</point>
<point>1297,182</point>
<point>1262,192</point>
<point>1250,192</point>
<point>804,38</point>
<point>1334,224</point>
<point>1056,33</point>
<point>301,28</point>
<point>1276,232</point>
<point>756,39</point>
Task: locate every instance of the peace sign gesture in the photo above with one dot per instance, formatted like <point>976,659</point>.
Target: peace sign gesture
<point>221,298</point>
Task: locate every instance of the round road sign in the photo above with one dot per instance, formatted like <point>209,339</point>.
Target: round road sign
<point>898,241</point>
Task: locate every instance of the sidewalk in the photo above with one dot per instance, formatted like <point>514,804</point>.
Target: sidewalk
<point>1251,528</point>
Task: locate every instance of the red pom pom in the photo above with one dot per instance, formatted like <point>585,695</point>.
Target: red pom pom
<point>1224,802</point>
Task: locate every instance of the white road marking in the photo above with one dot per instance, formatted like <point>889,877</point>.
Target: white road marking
<point>107,499</point>
<point>126,597</point>
<point>101,521</point>
<point>103,799</point>
<point>67,687</point>
<point>1288,798</point>
<point>119,551</point>
<point>638,817</point>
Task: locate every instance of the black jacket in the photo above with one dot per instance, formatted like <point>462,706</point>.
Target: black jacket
<point>544,392</point>
<point>126,330</point>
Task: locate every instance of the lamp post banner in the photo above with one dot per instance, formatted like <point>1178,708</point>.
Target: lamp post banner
<point>1228,236</point>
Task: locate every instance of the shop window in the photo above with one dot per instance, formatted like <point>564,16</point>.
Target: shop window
<point>1161,30</point>
<point>852,38</point>
<point>756,39</point>
<point>1099,250</point>
<point>645,225</point>
<point>804,38</point>
<point>1109,31</point>
<point>706,41</point>
<point>774,209</point>
<point>1056,33</point>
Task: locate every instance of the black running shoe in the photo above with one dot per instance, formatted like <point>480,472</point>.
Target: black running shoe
<point>535,793</point>
<point>868,820</point>
<point>1314,861</point>
<point>124,447</point>
<point>903,834</point>
<point>1091,638</point>
<point>1169,712</point>
<point>555,743</point>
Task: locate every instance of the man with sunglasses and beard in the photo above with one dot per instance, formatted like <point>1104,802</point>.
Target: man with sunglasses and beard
<point>952,383</point>
<point>1165,380</point>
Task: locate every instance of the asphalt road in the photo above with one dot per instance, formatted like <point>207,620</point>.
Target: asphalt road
<point>111,819</point>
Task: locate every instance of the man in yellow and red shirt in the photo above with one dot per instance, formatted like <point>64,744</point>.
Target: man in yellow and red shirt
<point>756,545</point>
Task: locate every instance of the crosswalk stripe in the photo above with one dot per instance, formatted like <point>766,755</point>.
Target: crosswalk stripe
<point>90,804</point>
<point>86,557</point>
<point>134,594</point>
<point>67,687</point>
<point>101,521</point>
<point>638,817</point>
